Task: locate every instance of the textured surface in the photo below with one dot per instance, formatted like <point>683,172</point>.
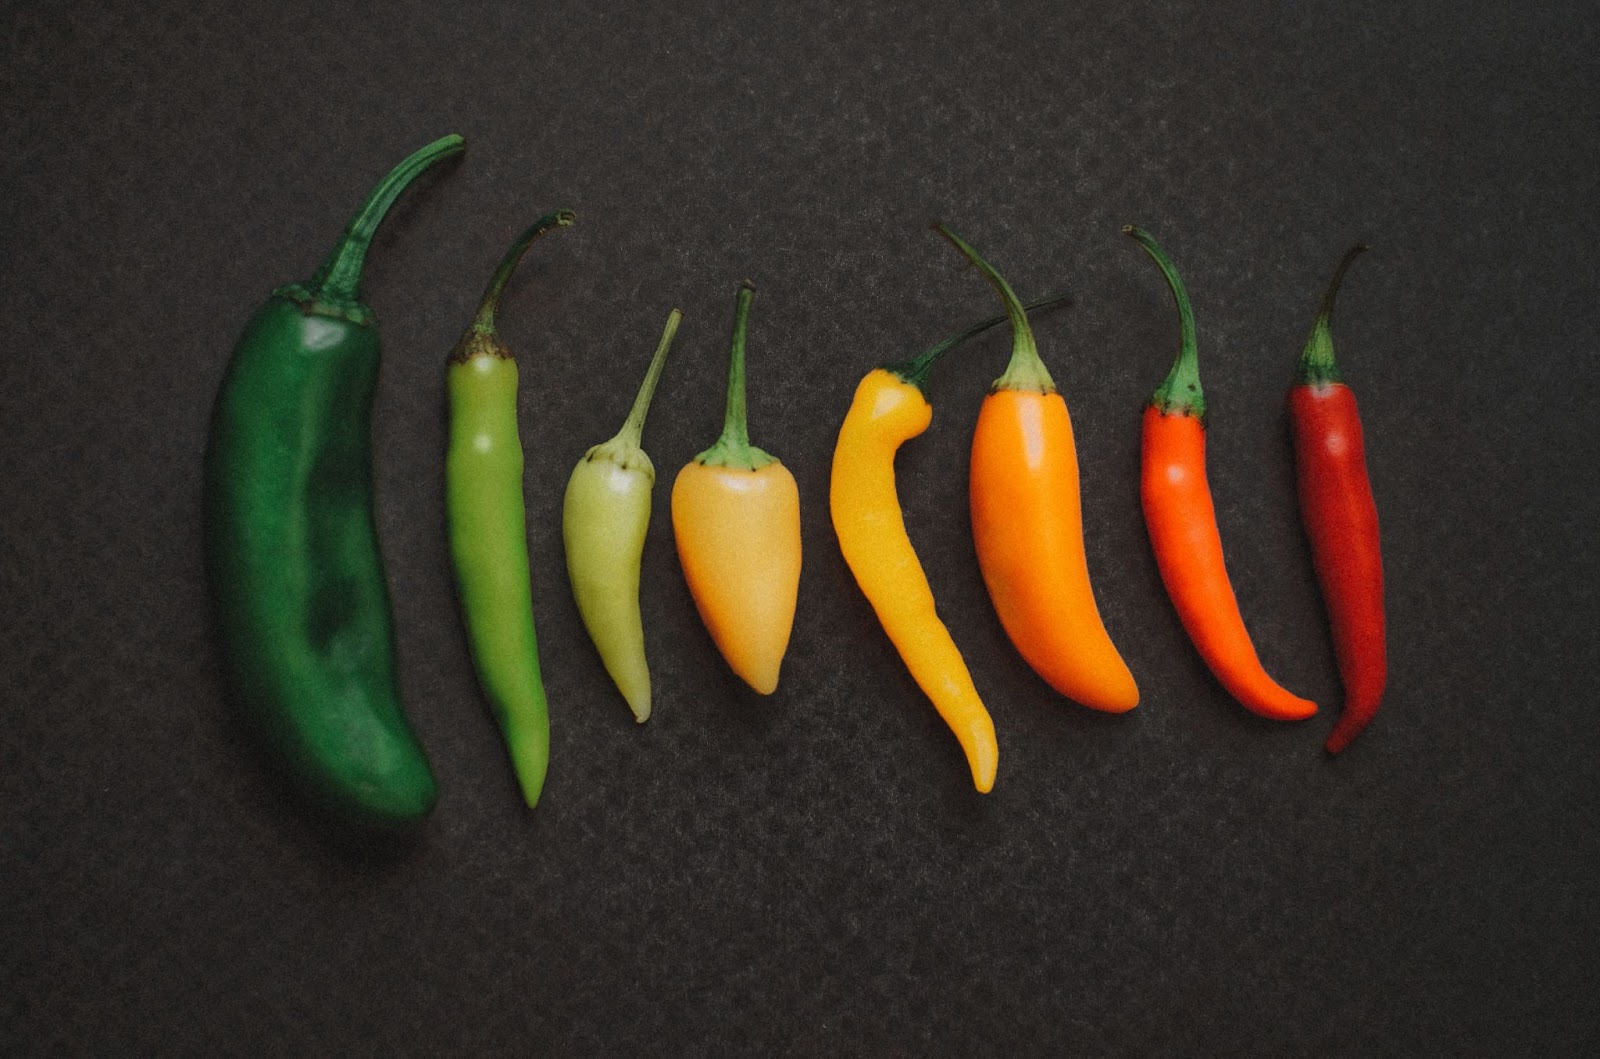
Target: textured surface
<point>812,873</point>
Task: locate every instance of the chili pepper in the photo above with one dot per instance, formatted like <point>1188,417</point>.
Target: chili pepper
<point>488,530</point>
<point>1340,519</point>
<point>603,522</point>
<point>890,408</point>
<point>1027,523</point>
<point>736,518</point>
<point>293,567</point>
<point>1183,524</point>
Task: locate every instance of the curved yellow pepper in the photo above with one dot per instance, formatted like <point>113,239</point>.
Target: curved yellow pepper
<point>889,410</point>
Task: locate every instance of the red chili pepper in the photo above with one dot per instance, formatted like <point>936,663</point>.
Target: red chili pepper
<point>1183,524</point>
<point>1341,519</point>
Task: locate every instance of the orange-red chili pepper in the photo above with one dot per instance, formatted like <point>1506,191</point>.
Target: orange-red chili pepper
<point>1183,524</point>
<point>1341,519</point>
<point>1027,523</point>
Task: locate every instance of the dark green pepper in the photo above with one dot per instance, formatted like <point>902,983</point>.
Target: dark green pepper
<point>292,562</point>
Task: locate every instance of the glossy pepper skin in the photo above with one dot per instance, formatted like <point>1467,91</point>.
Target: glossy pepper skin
<point>292,562</point>
<point>887,412</point>
<point>488,528</point>
<point>1027,524</point>
<point>736,520</point>
<point>1341,520</point>
<point>890,408</point>
<point>604,518</point>
<point>1182,523</point>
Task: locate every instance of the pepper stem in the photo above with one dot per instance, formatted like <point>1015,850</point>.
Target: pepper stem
<point>1180,392</point>
<point>916,370</point>
<point>735,425</point>
<point>1316,363</point>
<point>337,284</point>
<point>483,323</point>
<point>733,448</point>
<point>632,432</point>
<point>1026,371</point>
<point>479,340</point>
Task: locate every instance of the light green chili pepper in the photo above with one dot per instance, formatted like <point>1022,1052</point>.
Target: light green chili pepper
<point>603,523</point>
<point>488,535</point>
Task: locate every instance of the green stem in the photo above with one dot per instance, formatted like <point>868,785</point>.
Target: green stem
<point>1180,392</point>
<point>480,339</point>
<point>1025,371</point>
<point>916,370</point>
<point>1316,363</point>
<point>632,432</point>
<point>337,284</point>
<point>483,323</point>
<point>733,448</point>
<point>735,426</point>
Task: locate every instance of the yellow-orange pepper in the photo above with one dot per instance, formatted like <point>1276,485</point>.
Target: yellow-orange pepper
<point>736,519</point>
<point>1027,524</point>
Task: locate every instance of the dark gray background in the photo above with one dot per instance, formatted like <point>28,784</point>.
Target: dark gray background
<point>812,873</point>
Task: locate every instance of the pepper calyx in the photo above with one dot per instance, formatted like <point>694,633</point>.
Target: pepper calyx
<point>623,454</point>
<point>475,343</point>
<point>312,303</point>
<point>1194,407</point>
<point>737,453</point>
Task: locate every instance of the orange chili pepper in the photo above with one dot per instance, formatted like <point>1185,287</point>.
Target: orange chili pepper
<point>1027,523</point>
<point>736,519</point>
<point>1183,524</point>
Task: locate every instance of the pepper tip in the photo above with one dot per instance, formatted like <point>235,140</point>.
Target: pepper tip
<point>1340,739</point>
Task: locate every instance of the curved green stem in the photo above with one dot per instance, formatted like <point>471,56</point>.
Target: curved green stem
<point>1316,363</point>
<point>1180,392</point>
<point>1025,371</point>
<point>483,323</point>
<point>480,337</point>
<point>916,370</point>
<point>733,448</point>
<point>632,431</point>
<point>338,282</point>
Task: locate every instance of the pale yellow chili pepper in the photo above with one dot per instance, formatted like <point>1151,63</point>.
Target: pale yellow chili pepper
<point>603,522</point>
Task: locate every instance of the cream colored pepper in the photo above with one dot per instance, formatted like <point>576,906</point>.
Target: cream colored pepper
<point>603,523</point>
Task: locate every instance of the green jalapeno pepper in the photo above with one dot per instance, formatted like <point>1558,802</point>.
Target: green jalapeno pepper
<point>603,522</point>
<point>292,561</point>
<point>488,527</point>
